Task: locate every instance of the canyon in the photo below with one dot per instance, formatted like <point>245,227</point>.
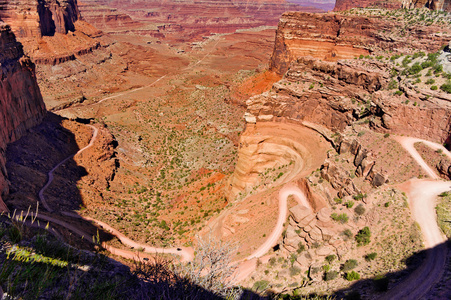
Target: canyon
<point>168,123</point>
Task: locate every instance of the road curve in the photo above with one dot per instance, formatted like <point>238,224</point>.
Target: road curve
<point>284,193</point>
<point>187,254</point>
<point>422,195</point>
<point>50,173</point>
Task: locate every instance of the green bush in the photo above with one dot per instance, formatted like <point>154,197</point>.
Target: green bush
<point>371,256</point>
<point>331,275</point>
<point>430,81</point>
<point>434,88</point>
<point>446,88</point>
<point>415,69</point>
<point>363,236</point>
<point>393,85</point>
<point>352,276</point>
<point>349,204</point>
<point>360,209</point>
<point>347,233</point>
<point>349,265</point>
<point>398,93</point>
<point>260,285</point>
<point>331,258</point>
<point>342,218</point>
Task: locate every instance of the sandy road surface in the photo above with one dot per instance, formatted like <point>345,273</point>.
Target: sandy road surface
<point>422,195</point>
<point>271,241</point>
<point>246,267</point>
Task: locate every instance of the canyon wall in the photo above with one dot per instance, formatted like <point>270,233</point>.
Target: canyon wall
<point>348,4</point>
<point>333,36</point>
<point>33,18</point>
<point>341,5</point>
<point>21,105</point>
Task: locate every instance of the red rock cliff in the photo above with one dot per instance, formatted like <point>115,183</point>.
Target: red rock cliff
<point>39,18</point>
<point>21,104</point>
<point>348,4</point>
<point>334,36</point>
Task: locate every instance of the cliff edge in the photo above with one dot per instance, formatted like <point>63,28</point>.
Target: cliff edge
<point>21,104</point>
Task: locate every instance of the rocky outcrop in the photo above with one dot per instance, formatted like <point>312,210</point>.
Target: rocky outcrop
<point>334,36</point>
<point>392,4</point>
<point>21,105</point>
<point>348,4</point>
<point>431,4</point>
<point>37,18</point>
<point>335,95</point>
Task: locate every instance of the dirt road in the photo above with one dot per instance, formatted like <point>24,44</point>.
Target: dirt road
<point>187,254</point>
<point>422,196</point>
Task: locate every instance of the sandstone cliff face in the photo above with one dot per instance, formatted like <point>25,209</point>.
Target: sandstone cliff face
<point>348,4</point>
<point>393,4</point>
<point>37,18</point>
<point>334,36</point>
<point>431,4</point>
<point>335,95</point>
<point>21,105</point>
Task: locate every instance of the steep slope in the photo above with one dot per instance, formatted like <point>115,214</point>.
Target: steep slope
<point>21,105</point>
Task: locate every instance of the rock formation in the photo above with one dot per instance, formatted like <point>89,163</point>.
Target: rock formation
<point>21,105</point>
<point>348,4</point>
<point>393,4</point>
<point>334,36</point>
<point>194,19</point>
<point>33,18</point>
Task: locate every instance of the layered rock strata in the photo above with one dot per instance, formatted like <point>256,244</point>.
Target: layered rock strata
<point>334,36</point>
<point>335,95</point>
<point>21,105</point>
<point>33,18</point>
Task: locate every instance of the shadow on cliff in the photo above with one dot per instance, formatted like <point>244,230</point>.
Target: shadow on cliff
<point>28,162</point>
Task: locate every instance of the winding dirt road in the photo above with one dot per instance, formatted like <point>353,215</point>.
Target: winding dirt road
<point>284,193</point>
<point>187,254</point>
<point>50,173</point>
<point>422,195</point>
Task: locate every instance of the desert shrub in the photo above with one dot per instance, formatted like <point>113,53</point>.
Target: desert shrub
<point>434,88</point>
<point>359,196</point>
<point>363,236</point>
<point>301,247</point>
<point>393,85</point>
<point>370,256</point>
<point>419,54</point>
<point>352,276</point>
<point>341,218</point>
<point>349,265</point>
<point>260,285</point>
<point>430,81</point>
<point>272,261</point>
<point>349,204</point>
<point>386,135</point>
<point>446,88</point>
<point>415,69</point>
<point>347,233</point>
<point>331,258</point>
<point>331,275</point>
<point>360,209</point>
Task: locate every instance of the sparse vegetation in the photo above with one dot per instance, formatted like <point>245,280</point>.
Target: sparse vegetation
<point>363,236</point>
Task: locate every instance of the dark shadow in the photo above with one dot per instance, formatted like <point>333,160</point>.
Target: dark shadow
<point>410,283</point>
<point>28,162</point>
